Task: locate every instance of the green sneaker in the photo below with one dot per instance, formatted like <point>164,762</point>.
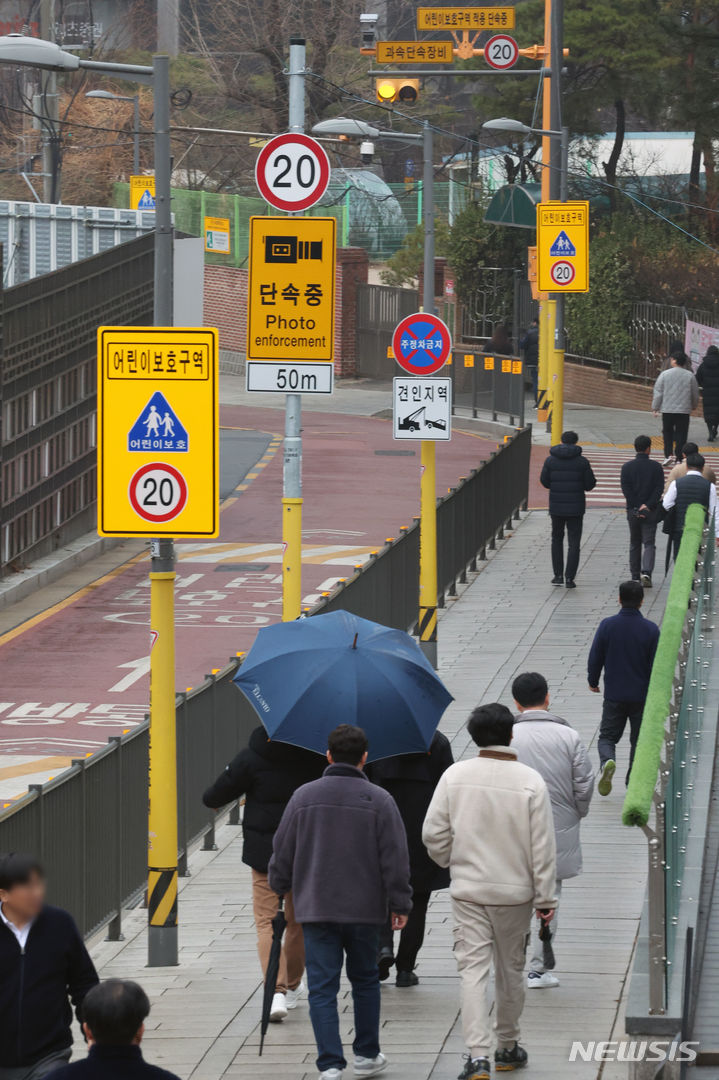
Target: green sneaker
<point>604,786</point>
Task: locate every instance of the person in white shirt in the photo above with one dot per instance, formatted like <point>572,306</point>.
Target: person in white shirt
<point>692,488</point>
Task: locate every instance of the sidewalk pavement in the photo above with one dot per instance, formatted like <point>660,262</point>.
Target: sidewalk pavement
<point>204,1022</point>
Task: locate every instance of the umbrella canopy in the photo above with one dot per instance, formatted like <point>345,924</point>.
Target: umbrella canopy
<point>273,968</point>
<point>306,677</point>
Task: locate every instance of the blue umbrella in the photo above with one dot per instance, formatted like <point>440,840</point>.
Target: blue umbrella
<point>305,677</point>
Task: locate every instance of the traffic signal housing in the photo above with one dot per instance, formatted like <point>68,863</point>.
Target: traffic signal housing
<point>400,91</point>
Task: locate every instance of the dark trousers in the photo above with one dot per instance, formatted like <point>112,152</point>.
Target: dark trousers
<point>712,422</point>
<point>675,428</point>
<point>326,945</point>
<point>534,372</point>
<point>642,544</point>
<point>573,525</point>
<point>614,720</point>
<point>411,938</point>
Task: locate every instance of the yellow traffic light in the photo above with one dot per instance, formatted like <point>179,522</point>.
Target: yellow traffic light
<point>404,91</point>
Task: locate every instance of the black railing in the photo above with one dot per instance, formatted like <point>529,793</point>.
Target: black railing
<point>89,825</point>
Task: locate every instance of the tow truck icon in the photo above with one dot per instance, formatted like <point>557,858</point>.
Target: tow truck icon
<point>414,421</point>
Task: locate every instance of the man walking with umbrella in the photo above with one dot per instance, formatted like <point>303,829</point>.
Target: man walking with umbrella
<point>342,850</point>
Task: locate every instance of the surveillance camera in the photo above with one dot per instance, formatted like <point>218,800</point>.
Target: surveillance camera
<point>368,23</point>
<point>367,152</point>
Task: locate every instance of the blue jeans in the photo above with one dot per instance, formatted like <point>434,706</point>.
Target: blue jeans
<point>325,947</point>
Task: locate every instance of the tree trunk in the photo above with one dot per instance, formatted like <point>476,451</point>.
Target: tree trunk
<point>610,166</point>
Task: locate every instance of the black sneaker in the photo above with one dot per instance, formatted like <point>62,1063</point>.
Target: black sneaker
<point>475,1069</point>
<point>557,581</point>
<point>570,584</point>
<point>647,581</point>
<point>406,978</point>
<point>506,1060</point>
<point>385,961</point>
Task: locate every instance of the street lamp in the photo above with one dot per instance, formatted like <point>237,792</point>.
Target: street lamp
<point>19,50</point>
<point>107,95</point>
<point>504,123</point>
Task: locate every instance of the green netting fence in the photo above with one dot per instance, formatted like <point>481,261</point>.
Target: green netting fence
<point>370,213</point>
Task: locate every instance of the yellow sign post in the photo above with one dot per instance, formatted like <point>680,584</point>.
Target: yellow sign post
<point>157,432</point>
<point>142,192</point>
<point>563,247</point>
<point>415,52</point>
<point>217,235</point>
<point>465,18</point>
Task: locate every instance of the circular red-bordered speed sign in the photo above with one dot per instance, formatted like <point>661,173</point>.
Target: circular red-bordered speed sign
<point>158,492</point>
<point>421,343</point>
<point>501,51</point>
<point>292,172</point>
<point>562,273</point>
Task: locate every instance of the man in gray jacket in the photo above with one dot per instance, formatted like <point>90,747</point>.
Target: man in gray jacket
<point>676,395</point>
<point>550,745</point>
<point>341,848</point>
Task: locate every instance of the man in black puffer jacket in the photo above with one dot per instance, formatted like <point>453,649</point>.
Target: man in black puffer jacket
<point>268,774</point>
<point>708,379</point>
<point>568,475</point>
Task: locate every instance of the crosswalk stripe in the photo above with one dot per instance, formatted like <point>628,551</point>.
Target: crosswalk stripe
<point>607,461</point>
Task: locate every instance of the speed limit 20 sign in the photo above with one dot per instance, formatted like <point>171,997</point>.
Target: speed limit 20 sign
<point>563,247</point>
<point>501,52</point>
<point>158,435</point>
<point>292,172</point>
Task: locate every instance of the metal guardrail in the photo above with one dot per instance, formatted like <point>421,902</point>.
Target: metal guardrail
<point>492,383</point>
<point>667,748</point>
<point>89,824</point>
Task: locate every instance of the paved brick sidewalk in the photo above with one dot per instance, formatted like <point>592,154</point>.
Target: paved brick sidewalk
<point>204,1023</point>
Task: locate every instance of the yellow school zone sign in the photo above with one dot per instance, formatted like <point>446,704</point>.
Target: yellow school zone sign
<point>157,432</point>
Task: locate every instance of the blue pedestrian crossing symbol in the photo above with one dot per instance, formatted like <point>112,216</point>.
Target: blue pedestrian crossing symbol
<point>147,201</point>
<point>562,246</point>
<point>158,428</point>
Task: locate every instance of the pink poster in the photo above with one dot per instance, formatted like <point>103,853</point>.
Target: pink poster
<point>697,339</point>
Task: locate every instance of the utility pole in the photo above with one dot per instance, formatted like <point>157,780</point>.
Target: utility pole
<point>558,188</point>
<point>543,372</point>
<point>292,462</point>
<point>428,483</point>
<point>49,114</point>
<point>168,27</point>
<point>162,824</point>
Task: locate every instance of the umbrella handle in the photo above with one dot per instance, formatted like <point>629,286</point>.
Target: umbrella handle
<point>281,903</point>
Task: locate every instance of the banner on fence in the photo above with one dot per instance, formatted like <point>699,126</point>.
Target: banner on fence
<point>697,339</point>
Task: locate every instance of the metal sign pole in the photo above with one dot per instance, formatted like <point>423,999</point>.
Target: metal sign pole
<point>428,486</point>
<point>559,187</point>
<point>162,825</point>
<point>292,464</point>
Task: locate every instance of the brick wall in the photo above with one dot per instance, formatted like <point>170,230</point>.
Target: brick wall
<point>226,306</point>
<point>352,270</point>
<point>595,386</point>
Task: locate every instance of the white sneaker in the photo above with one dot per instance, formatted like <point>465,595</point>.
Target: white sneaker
<point>293,997</point>
<point>668,460</point>
<point>543,981</point>
<point>331,1074</point>
<point>370,1066</point>
<point>278,1012</point>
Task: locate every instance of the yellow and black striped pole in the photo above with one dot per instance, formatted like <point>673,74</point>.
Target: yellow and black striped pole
<point>162,825</point>
<point>428,553</point>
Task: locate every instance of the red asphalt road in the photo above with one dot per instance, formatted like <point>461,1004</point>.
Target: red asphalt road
<point>78,673</point>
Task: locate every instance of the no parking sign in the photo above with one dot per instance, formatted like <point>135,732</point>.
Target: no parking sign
<point>421,343</point>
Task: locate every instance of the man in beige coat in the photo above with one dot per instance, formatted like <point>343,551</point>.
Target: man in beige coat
<point>490,821</point>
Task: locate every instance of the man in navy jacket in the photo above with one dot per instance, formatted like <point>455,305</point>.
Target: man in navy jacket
<point>342,849</point>
<point>43,966</point>
<point>642,485</point>
<point>568,475</point>
<point>624,646</point>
